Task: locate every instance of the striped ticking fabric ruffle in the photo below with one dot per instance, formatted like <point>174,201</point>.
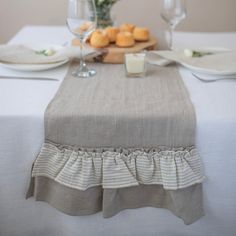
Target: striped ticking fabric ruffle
<point>118,168</point>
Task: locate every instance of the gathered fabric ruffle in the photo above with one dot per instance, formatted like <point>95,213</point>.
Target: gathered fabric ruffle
<point>110,168</point>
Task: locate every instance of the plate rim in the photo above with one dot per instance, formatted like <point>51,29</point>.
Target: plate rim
<point>207,71</point>
<point>33,67</point>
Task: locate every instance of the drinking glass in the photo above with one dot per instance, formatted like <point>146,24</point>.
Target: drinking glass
<point>81,21</point>
<point>173,12</point>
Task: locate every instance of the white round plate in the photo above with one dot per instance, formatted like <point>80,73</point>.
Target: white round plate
<point>33,67</point>
<point>36,67</point>
<point>206,71</point>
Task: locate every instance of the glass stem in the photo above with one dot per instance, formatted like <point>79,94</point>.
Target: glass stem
<point>82,62</point>
<point>171,30</point>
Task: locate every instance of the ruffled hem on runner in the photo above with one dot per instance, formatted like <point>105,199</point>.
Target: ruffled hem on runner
<point>118,168</point>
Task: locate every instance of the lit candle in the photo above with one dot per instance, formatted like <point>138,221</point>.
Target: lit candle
<point>135,64</point>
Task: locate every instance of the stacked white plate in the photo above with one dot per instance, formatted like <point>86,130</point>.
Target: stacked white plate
<point>219,64</point>
<point>49,63</point>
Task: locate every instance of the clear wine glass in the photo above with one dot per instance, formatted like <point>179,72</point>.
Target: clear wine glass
<point>173,12</point>
<point>82,21</point>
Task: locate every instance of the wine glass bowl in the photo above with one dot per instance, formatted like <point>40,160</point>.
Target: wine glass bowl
<point>81,21</point>
<point>173,12</point>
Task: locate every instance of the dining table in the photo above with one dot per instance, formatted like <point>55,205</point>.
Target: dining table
<point>23,102</point>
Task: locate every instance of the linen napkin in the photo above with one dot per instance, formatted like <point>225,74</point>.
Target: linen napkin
<point>21,54</point>
<point>155,59</point>
<point>215,63</point>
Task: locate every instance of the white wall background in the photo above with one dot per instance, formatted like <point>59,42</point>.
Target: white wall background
<point>203,15</point>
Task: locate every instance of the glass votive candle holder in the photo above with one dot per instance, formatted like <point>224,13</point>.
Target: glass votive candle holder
<point>135,64</point>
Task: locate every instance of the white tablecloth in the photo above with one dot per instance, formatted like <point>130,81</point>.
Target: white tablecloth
<point>22,106</point>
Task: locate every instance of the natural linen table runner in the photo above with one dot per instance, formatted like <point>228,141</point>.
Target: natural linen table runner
<point>125,136</point>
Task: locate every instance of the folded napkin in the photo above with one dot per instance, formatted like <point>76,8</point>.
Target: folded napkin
<point>154,59</point>
<point>21,54</point>
<point>218,63</point>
